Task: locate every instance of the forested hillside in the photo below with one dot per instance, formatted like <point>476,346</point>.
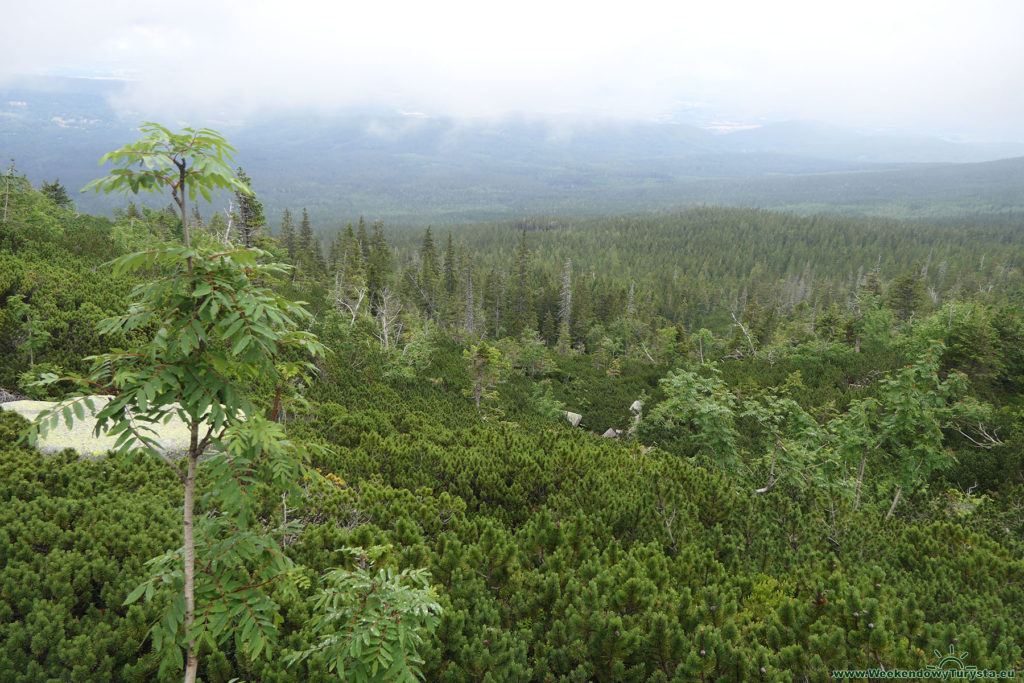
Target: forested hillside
<point>814,457</point>
<point>418,168</point>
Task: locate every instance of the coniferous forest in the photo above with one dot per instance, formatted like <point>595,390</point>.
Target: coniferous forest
<point>711,445</point>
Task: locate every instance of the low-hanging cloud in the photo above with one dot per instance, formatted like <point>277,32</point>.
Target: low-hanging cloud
<point>935,66</point>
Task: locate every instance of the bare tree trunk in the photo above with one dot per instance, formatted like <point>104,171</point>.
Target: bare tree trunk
<point>771,471</point>
<point>349,295</point>
<point>192,660</point>
<point>470,322</point>
<point>743,329</point>
<point>229,212</point>
<point>388,311</point>
<point>895,500</point>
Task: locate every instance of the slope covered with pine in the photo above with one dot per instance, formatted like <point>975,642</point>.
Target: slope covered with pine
<point>825,473</point>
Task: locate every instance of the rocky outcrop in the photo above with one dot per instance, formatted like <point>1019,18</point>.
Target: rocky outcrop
<point>173,437</point>
<point>7,396</point>
<point>637,408</point>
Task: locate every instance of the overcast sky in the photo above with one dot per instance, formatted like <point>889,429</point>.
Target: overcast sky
<point>935,66</point>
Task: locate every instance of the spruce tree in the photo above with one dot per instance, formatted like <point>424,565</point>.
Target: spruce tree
<point>363,238</point>
<point>378,261</point>
<point>57,194</point>
<point>304,240</point>
<point>907,294</point>
<point>565,309</point>
<point>494,303</point>
<point>196,221</point>
<point>309,252</point>
<point>287,236</point>
<point>450,268</point>
<point>521,315</point>
<point>250,213</point>
<point>334,253</point>
<point>430,274</point>
<point>351,266</point>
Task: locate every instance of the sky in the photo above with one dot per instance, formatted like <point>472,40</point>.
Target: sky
<point>952,68</point>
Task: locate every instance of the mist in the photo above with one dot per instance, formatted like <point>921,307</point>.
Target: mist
<point>934,68</point>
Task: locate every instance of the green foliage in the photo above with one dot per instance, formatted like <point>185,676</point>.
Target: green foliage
<point>907,293</point>
<point>704,409</point>
<point>214,332</point>
<point>287,234</point>
<point>250,211</point>
<point>57,193</point>
<point>796,443</point>
<point>487,368</point>
<point>161,158</point>
<point>376,623</point>
<point>233,561</point>
<point>34,334</point>
<point>195,162</point>
<point>698,266</point>
<point>545,403</point>
<point>74,535</point>
<point>529,356</point>
<point>915,407</point>
<point>552,554</point>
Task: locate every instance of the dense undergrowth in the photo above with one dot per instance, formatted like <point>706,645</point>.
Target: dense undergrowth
<point>557,554</point>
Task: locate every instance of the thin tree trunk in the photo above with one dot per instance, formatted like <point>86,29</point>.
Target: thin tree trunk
<point>771,472</point>
<point>895,500</point>
<point>188,526</point>
<point>743,329</point>
<point>182,200</point>
<point>860,478</point>
<point>192,661</point>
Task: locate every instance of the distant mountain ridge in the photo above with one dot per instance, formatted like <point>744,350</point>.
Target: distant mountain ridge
<point>420,169</point>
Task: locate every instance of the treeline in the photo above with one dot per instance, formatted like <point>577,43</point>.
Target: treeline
<point>630,286</point>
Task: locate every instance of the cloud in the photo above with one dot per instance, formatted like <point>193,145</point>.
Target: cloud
<point>937,65</point>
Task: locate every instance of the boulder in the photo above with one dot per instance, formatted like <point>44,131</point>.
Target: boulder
<point>611,433</point>
<point>637,406</point>
<point>8,396</point>
<point>574,418</point>
<point>173,436</point>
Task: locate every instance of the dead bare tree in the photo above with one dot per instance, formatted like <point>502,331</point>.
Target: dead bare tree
<point>746,334</point>
<point>349,296</point>
<point>389,320</point>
